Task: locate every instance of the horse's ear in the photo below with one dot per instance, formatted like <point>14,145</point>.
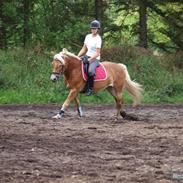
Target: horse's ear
<point>64,50</point>
<point>52,53</point>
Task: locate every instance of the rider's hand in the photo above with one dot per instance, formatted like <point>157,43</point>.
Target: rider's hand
<point>85,59</point>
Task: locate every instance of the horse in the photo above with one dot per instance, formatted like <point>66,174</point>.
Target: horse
<point>68,64</point>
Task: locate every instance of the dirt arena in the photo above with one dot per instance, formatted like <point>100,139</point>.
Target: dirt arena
<point>95,149</point>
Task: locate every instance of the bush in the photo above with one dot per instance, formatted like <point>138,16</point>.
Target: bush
<point>124,53</point>
<point>172,62</point>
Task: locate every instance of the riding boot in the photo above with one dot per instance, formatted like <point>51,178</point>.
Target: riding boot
<point>90,83</point>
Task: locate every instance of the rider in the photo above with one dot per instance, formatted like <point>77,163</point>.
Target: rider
<point>92,48</point>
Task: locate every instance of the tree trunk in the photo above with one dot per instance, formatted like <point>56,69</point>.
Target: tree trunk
<point>143,23</point>
<point>2,28</point>
<point>99,11</point>
<point>26,12</point>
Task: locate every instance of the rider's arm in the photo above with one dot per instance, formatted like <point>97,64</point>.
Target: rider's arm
<point>82,51</point>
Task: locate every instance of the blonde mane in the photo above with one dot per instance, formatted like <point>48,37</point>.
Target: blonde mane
<point>66,52</point>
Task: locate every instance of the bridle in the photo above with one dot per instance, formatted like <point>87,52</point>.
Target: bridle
<point>59,58</point>
<point>55,75</point>
<point>62,70</point>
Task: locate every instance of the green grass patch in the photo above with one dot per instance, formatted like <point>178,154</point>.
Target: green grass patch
<point>25,77</point>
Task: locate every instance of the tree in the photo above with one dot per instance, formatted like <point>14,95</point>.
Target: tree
<point>172,18</point>
<point>143,23</point>
<point>159,23</point>
<point>56,24</point>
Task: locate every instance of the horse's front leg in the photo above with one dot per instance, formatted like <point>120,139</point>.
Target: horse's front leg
<point>72,95</point>
<point>79,109</point>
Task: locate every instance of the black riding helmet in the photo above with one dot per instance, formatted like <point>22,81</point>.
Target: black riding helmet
<point>95,24</point>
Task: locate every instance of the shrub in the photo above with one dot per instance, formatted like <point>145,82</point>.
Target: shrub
<point>172,62</point>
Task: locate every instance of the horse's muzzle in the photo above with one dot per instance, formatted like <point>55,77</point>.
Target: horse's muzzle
<point>54,77</point>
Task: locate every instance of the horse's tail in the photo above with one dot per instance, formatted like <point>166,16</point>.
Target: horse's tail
<point>134,88</point>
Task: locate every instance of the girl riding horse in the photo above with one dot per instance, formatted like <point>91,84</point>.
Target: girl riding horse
<point>118,79</point>
<point>91,47</point>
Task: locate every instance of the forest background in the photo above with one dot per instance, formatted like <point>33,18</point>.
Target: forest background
<point>146,35</point>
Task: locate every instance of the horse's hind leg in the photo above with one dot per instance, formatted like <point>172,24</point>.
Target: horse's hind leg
<point>118,98</point>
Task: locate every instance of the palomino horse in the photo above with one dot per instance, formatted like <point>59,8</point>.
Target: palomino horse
<point>69,65</point>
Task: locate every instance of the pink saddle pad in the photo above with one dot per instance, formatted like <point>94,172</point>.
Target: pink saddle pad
<point>100,73</point>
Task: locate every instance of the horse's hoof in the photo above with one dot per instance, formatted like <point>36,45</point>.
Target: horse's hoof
<point>115,118</point>
<point>57,116</point>
<point>81,115</point>
<point>128,116</point>
<point>80,112</point>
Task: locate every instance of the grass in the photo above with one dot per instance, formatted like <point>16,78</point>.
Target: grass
<point>24,78</point>
<point>30,97</point>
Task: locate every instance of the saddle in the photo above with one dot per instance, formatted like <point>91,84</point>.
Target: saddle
<point>100,72</point>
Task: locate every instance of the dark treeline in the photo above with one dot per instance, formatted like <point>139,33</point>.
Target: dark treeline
<point>64,23</point>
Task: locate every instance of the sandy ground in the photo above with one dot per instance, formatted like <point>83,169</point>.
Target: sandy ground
<point>94,149</point>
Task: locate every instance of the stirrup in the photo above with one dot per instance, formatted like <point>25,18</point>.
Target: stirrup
<point>89,92</point>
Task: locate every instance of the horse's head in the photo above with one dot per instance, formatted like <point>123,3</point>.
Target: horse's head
<point>58,64</point>
<point>64,62</point>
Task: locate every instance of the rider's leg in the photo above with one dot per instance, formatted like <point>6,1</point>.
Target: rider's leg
<point>91,74</point>
<point>90,83</point>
